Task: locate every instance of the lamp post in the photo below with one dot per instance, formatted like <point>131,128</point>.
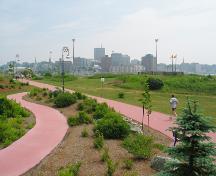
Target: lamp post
<point>173,57</point>
<point>15,65</point>
<point>156,41</point>
<point>50,61</point>
<point>73,40</point>
<point>65,50</point>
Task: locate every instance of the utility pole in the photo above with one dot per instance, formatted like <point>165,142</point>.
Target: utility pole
<point>65,50</point>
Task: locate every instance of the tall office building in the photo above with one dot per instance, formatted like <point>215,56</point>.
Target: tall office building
<point>119,59</point>
<point>99,53</point>
<point>149,62</point>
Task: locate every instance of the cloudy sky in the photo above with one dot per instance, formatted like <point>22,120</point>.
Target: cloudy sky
<point>32,28</point>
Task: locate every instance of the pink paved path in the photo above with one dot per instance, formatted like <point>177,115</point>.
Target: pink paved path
<point>49,130</point>
<point>158,121</point>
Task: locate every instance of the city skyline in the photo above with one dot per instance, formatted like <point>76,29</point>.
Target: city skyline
<point>34,28</point>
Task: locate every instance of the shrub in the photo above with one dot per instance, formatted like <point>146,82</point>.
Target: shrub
<point>139,145</point>
<point>99,140</point>
<point>38,98</point>
<point>84,133</point>
<point>1,86</point>
<point>56,92</point>
<point>45,94</point>
<point>111,167</point>
<point>100,111</point>
<point>73,121</point>
<point>64,100</point>
<point>80,107</point>
<point>34,92</point>
<point>128,164</point>
<point>155,83</point>
<point>71,170</point>
<point>121,95</point>
<point>112,126</point>
<point>78,95</point>
<point>90,105</point>
<point>105,155</point>
<point>12,81</point>
<point>84,118</point>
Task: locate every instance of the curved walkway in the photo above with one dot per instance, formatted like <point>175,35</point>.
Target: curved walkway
<point>158,121</point>
<point>49,130</point>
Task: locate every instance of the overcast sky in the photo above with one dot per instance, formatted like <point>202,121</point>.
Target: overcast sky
<point>32,28</point>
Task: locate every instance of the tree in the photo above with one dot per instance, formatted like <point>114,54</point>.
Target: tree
<point>146,102</point>
<point>194,153</point>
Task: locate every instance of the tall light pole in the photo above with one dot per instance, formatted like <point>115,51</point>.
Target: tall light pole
<point>73,40</point>
<point>50,61</point>
<point>156,41</point>
<point>65,51</point>
<point>15,64</point>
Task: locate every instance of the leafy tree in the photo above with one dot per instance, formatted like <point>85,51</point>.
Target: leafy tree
<point>146,102</point>
<point>195,153</point>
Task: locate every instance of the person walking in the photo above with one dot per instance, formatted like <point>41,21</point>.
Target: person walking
<point>173,103</point>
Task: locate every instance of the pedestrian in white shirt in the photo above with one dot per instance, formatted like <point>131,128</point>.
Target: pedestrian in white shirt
<point>173,104</point>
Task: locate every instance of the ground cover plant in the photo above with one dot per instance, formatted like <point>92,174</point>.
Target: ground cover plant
<point>12,119</point>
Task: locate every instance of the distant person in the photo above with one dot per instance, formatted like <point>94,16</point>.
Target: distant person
<point>173,104</point>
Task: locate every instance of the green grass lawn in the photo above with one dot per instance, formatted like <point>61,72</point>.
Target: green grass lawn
<point>160,99</point>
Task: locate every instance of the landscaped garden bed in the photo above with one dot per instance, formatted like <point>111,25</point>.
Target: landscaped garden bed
<point>98,140</point>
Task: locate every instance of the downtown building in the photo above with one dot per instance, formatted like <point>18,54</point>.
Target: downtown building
<point>149,63</point>
<point>99,53</point>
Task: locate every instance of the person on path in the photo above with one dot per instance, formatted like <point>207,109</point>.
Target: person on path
<point>173,104</point>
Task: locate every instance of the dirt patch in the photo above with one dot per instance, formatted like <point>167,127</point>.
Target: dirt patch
<point>76,148</point>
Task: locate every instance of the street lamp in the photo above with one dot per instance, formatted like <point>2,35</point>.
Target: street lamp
<point>156,41</point>
<point>73,40</point>
<point>50,62</point>
<point>65,51</point>
<point>15,65</point>
<point>173,56</point>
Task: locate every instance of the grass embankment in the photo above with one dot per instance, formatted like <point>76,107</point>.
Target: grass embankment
<point>9,86</point>
<point>201,88</point>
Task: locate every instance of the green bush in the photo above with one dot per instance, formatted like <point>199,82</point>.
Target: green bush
<point>34,92</point>
<point>84,118</point>
<point>73,121</point>
<point>155,83</point>
<point>80,107</point>
<point>64,100</point>
<point>90,105</point>
<point>121,95</point>
<point>2,86</point>
<point>139,145</point>
<point>98,140</point>
<point>11,118</point>
<point>84,133</point>
<point>111,167</point>
<point>71,170</point>
<point>128,164</point>
<point>112,126</point>
<point>100,111</point>
<point>133,173</point>
<point>79,95</point>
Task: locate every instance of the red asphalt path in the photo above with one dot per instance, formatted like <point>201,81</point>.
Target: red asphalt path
<point>158,121</point>
<point>49,130</point>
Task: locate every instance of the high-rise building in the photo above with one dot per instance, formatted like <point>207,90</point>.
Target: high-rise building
<point>99,53</point>
<point>106,63</point>
<point>119,59</point>
<point>149,62</point>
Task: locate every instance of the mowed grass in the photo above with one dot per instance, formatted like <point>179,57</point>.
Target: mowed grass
<point>160,99</point>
